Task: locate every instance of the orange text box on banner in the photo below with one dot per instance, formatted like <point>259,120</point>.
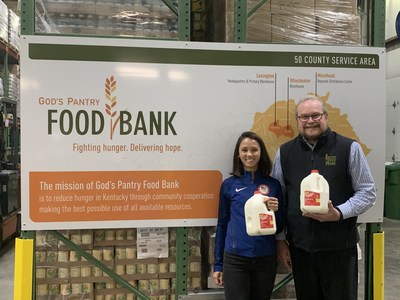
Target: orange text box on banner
<point>123,195</point>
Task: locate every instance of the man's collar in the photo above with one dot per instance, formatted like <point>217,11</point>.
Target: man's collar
<point>321,137</point>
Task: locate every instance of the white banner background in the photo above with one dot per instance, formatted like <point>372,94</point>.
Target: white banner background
<point>211,112</point>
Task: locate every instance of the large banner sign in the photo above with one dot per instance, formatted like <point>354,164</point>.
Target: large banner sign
<point>135,133</point>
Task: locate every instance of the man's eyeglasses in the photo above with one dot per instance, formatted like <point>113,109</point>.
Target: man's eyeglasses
<point>315,117</point>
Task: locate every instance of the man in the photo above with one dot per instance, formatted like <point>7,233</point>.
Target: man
<point>321,249</point>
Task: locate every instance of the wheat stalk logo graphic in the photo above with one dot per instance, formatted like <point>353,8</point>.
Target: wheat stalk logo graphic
<point>110,87</point>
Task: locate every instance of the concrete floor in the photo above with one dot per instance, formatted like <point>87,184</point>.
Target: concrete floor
<point>390,227</point>
<point>7,272</point>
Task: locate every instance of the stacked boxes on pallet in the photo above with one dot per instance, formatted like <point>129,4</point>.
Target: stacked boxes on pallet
<point>13,31</point>
<point>10,40</point>
<point>290,21</point>
<point>63,274</point>
<point>276,21</point>
<point>3,22</point>
<point>137,18</point>
<point>9,27</point>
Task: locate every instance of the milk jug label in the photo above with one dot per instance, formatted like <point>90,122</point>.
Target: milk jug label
<point>312,198</point>
<point>314,193</point>
<point>266,221</point>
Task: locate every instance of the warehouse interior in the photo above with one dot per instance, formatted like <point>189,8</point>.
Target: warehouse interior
<point>58,269</point>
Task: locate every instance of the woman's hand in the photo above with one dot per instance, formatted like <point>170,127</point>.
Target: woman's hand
<point>284,253</point>
<point>272,203</point>
<point>218,278</point>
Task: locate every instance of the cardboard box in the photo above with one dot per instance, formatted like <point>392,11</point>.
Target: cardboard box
<point>292,6</point>
<point>78,7</point>
<point>221,21</point>
<point>259,27</point>
<point>336,6</point>
<point>340,31</point>
<point>294,28</point>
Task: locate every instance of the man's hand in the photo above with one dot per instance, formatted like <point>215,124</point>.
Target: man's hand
<point>333,215</point>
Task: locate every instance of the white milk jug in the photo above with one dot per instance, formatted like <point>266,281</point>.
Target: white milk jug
<point>314,193</point>
<point>259,220</point>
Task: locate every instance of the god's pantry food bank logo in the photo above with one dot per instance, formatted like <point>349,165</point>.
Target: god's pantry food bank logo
<point>115,122</point>
<point>177,196</point>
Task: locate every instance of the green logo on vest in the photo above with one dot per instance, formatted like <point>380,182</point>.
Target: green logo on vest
<point>330,160</point>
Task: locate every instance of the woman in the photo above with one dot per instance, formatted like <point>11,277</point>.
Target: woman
<point>246,265</point>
